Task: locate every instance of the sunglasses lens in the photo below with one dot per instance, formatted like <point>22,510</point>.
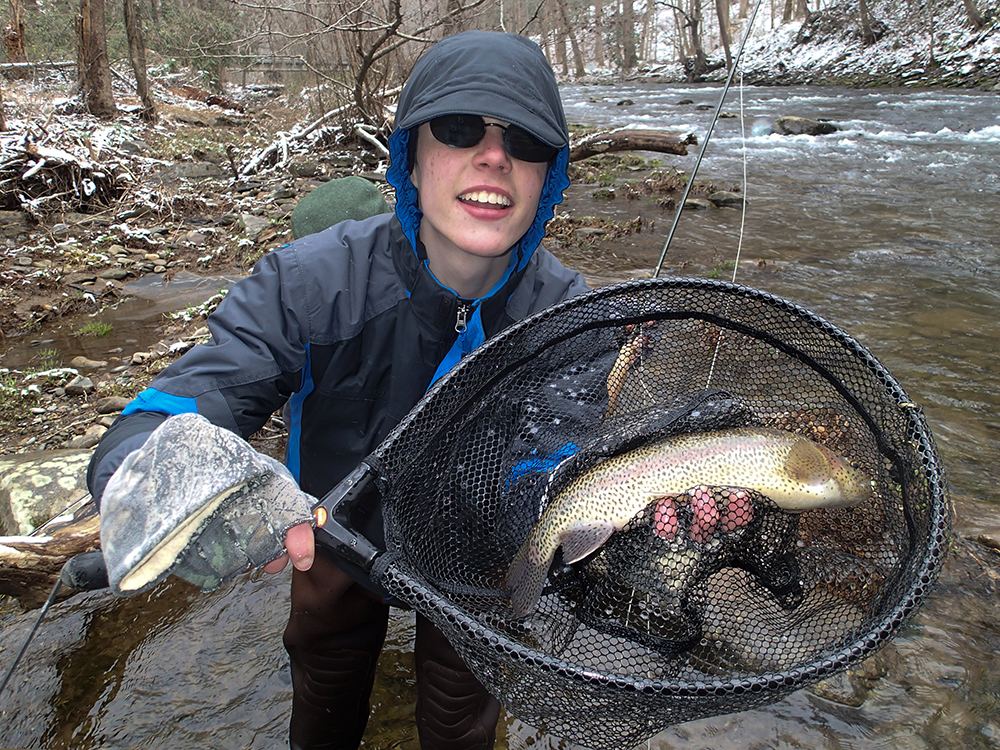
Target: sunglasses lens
<point>465,131</point>
<point>458,131</point>
<point>524,146</point>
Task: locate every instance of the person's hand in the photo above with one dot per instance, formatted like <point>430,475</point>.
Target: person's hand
<point>198,502</point>
<point>300,547</point>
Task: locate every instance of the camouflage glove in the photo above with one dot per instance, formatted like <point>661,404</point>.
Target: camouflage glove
<point>198,502</point>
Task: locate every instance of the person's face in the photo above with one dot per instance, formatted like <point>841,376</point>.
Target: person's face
<point>477,202</point>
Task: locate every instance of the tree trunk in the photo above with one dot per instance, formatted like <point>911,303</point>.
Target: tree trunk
<point>3,118</point>
<point>973,14</point>
<point>13,38</point>
<point>629,60</point>
<point>649,29</point>
<point>599,56</point>
<point>786,14</point>
<point>931,61</point>
<point>699,64</point>
<point>577,55</point>
<point>95,70</point>
<point>867,37</point>
<point>627,139</point>
<point>722,11</point>
<point>137,56</point>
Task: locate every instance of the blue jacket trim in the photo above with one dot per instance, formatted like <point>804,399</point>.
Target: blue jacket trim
<point>472,337</point>
<point>541,463</point>
<point>293,457</point>
<point>158,401</point>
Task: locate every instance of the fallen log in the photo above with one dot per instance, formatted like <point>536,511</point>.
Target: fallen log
<point>628,139</point>
<point>30,565</point>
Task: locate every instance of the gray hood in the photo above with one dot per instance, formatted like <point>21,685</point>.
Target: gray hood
<point>492,74</point>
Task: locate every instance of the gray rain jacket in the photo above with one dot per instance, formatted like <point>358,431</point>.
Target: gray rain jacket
<point>348,327</point>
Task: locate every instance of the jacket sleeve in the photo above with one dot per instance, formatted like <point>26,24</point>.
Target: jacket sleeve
<point>248,369</point>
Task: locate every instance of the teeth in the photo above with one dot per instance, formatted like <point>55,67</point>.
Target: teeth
<point>484,197</point>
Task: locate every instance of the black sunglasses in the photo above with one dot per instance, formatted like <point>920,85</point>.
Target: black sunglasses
<point>465,131</point>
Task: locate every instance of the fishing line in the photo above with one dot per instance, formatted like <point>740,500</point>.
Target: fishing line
<point>31,634</point>
<point>743,221</point>
<point>83,572</point>
<point>708,138</point>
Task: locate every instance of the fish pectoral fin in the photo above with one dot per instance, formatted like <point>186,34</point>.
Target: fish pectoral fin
<point>806,463</point>
<point>583,538</point>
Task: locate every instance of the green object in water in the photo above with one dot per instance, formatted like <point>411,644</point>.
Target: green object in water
<point>335,201</point>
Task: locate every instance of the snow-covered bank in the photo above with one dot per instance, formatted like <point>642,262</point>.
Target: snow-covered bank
<point>827,50</point>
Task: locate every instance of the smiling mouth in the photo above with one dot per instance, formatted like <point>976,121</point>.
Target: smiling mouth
<point>484,198</point>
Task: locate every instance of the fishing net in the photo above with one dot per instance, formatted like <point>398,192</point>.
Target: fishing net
<point>709,601</point>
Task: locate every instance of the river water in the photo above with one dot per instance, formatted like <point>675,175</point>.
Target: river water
<point>888,229</point>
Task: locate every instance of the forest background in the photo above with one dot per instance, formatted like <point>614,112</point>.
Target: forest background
<point>353,52</point>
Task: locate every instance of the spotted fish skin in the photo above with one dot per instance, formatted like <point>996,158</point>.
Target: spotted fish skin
<point>796,473</point>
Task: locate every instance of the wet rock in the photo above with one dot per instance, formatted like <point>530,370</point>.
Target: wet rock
<point>304,168</point>
<point>133,147</point>
<point>197,236</point>
<point>724,198</point>
<point>87,440</point>
<point>989,540</point>
<point>790,125</point>
<point>843,688</point>
<point>82,363</point>
<point>79,386</point>
<point>685,102</point>
<point>625,103</point>
<point>110,404</point>
<point>698,204</point>
<point>254,225</point>
<point>134,212</point>
<point>34,487</point>
<point>81,277</point>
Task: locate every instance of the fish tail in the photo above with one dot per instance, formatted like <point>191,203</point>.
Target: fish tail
<point>525,580</point>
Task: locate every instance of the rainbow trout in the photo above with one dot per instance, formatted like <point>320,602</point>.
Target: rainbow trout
<point>793,471</point>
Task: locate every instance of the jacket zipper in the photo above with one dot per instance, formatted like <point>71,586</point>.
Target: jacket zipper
<point>462,318</point>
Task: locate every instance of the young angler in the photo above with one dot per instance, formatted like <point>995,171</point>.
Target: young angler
<point>348,328</point>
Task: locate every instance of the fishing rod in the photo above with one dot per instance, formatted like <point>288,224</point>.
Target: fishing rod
<point>708,137</point>
<point>83,572</point>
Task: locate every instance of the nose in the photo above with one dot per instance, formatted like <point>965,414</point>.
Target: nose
<point>491,148</point>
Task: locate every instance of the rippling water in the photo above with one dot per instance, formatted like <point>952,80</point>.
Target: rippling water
<point>888,229</point>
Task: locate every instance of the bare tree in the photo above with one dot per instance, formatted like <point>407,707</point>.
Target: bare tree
<point>599,56</point>
<point>867,37</point>
<point>972,13</point>
<point>13,39</point>
<point>137,56</point>
<point>722,11</point>
<point>92,59</point>
<point>627,35</point>
<point>568,27</point>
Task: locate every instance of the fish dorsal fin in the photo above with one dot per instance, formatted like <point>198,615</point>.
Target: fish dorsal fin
<point>806,462</point>
<point>583,538</point>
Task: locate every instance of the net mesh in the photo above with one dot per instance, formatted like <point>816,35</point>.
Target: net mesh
<point>707,601</point>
